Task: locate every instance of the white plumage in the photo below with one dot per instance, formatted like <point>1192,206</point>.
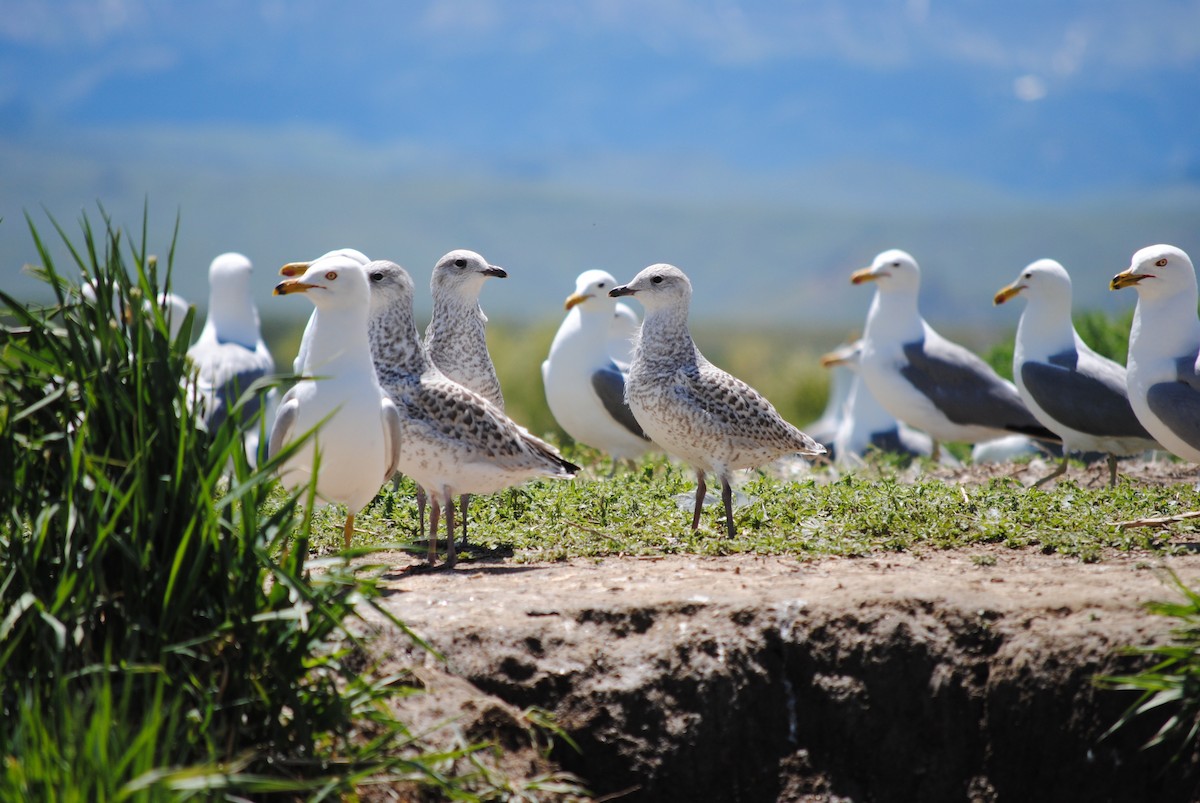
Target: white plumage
<point>584,375</point>
<point>1075,392</point>
<point>293,269</point>
<point>1163,378</point>
<point>230,354</point>
<point>359,435</point>
<point>922,378</point>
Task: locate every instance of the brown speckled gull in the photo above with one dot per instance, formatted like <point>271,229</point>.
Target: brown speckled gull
<point>454,440</point>
<point>691,408</point>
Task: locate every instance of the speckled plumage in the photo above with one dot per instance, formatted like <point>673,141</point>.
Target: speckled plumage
<point>688,406</point>
<point>455,338</point>
<point>454,440</point>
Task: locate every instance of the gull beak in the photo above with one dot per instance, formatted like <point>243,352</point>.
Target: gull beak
<point>831,359</point>
<point>1005,293</point>
<point>623,290</point>
<point>293,286</point>
<point>494,270</point>
<point>866,275</point>
<point>1127,278</point>
<point>575,299</point>
<point>293,269</point>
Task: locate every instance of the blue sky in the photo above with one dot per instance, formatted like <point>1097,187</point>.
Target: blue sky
<point>877,109</point>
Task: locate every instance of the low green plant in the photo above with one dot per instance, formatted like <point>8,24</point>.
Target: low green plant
<point>165,632</point>
<point>1169,688</point>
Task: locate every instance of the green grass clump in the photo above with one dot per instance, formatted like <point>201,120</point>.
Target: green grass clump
<point>164,632</point>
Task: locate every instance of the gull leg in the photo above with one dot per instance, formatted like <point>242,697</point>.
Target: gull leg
<point>435,513</point>
<point>420,510</point>
<point>450,556</point>
<point>1058,472</point>
<point>463,502</point>
<point>348,530</point>
<point>935,451</point>
<point>701,489</point>
<point>727,498</point>
<point>1112,470</point>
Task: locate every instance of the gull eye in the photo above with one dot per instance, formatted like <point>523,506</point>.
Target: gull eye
<point>331,275</point>
<point>1162,263</point>
<point>377,276</point>
<point>460,263</point>
<point>1029,275</point>
<point>657,280</point>
<point>600,286</point>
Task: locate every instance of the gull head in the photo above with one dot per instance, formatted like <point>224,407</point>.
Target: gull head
<point>891,270</point>
<point>330,283</point>
<point>1157,271</point>
<point>460,274</point>
<point>230,271</point>
<point>658,286</point>
<point>390,285</point>
<point>293,269</point>
<point>1042,281</point>
<point>848,354</point>
<point>589,285</point>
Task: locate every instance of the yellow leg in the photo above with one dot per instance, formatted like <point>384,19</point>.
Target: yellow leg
<point>348,530</point>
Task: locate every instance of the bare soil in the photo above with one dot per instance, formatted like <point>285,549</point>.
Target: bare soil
<point>944,675</point>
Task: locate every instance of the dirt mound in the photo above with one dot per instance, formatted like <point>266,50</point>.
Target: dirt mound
<point>944,676</point>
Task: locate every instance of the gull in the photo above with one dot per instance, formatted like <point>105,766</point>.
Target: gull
<point>174,307</point>
<point>842,378</point>
<point>230,355</point>
<point>293,269</point>
<point>584,375</point>
<point>455,338</point>
<point>357,444</point>
<point>455,440</point>
<point>688,406</point>
<point>864,424</point>
<point>1164,342</point>
<point>1075,392</point>
<point>922,378</point>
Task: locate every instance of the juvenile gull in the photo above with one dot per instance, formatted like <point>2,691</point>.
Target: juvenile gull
<point>1075,392</point>
<point>864,424</point>
<point>692,409</point>
<point>922,378</point>
<point>230,353</point>
<point>455,338</point>
<point>296,269</point>
<point>1164,342</point>
<point>359,436</point>
<point>455,441</point>
<point>583,377</point>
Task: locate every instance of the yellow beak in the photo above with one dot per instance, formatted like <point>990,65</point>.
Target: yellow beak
<point>1126,278</point>
<point>293,269</point>
<point>293,286</point>
<point>1005,293</point>
<point>865,275</point>
<point>575,299</point>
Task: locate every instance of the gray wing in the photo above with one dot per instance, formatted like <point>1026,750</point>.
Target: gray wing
<point>1091,398</point>
<point>1178,403</point>
<point>609,384</point>
<point>285,422</point>
<point>227,370</point>
<point>391,436</point>
<point>966,389</point>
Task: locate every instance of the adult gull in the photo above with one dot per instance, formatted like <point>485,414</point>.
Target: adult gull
<point>230,355</point>
<point>1075,392</point>
<point>358,440</point>
<point>1163,379</point>
<point>864,424</point>
<point>455,441</point>
<point>584,375</point>
<point>922,378</point>
<point>292,269</point>
<point>691,408</point>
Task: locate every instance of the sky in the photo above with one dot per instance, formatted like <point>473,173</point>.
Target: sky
<point>781,142</point>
